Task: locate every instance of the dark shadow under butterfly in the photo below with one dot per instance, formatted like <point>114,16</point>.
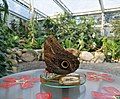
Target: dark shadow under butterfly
<point>57,59</point>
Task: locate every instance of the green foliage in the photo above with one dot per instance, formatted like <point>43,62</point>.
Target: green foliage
<point>20,28</point>
<point>5,35</point>
<point>80,35</point>
<point>32,31</point>
<point>116,28</point>
<point>111,47</point>
<point>23,29</point>
<point>68,43</point>
<point>5,65</point>
<point>9,37</point>
<point>27,31</point>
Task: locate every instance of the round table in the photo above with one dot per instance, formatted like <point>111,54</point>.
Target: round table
<point>81,92</point>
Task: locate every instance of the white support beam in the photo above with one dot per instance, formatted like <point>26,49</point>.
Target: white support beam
<point>112,9</point>
<point>40,13</point>
<point>32,8</point>
<point>96,12</point>
<point>62,6</point>
<point>87,13</point>
<point>101,5</point>
<point>103,17</point>
<point>22,3</point>
<point>102,24</point>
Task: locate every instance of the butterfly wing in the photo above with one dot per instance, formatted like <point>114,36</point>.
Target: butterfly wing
<point>57,59</point>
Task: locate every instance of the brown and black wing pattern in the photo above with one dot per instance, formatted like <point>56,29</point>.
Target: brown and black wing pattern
<point>57,59</point>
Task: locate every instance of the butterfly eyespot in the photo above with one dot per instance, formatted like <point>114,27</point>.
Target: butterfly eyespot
<point>51,40</point>
<point>64,64</point>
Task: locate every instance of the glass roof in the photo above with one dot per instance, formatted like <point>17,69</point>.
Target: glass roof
<point>16,8</point>
<point>25,1</point>
<point>48,7</point>
<point>76,6</point>
<point>111,3</point>
<point>53,7</point>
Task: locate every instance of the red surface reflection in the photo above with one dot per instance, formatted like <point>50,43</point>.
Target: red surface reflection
<point>110,93</point>
<point>25,81</point>
<point>43,96</point>
<point>92,76</point>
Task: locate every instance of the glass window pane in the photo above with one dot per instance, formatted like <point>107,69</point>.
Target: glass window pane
<point>110,16</point>
<point>111,3</point>
<point>82,5</point>
<point>18,9</point>
<point>49,7</point>
<point>25,1</point>
<point>1,2</point>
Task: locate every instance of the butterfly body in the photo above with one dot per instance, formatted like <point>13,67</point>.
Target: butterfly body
<point>57,59</point>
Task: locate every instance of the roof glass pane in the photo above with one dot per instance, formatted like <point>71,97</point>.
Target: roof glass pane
<point>17,8</point>
<point>49,7</point>
<point>76,6</point>
<point>25,1</point>
<point>1,2</point>
<point>111,3</point>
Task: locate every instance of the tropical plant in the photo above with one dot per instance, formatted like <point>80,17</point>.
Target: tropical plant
<point>32,31</point>
<point>111,48</point>
<point>80,35</point>
<point>5,64</point>
<point>23,29</point>
<point>9,36</point>
<point>116,28</point>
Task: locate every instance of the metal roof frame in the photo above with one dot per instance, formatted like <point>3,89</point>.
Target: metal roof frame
<point>66,9</point>
<point>40,13</point>
<point>18,15</point>
<point>103,17</point>
<point>103,10</point>
<point>96,12</point>
<point>25,4</point>
<point>62,6</point>
<point>101,5</point>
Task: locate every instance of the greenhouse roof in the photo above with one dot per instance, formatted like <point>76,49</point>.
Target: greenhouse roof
<point>74,7</point>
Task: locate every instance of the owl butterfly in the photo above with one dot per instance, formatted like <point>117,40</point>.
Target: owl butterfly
<point>57,59</point>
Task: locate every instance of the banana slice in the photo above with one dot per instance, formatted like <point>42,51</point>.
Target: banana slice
<point>69,80</point>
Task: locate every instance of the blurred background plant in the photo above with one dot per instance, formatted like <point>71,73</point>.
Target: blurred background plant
<point>35,38</point>
<point>111,48</point>
<point>116,28</point>
<point>5,64</point>
<point>81,35</point>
